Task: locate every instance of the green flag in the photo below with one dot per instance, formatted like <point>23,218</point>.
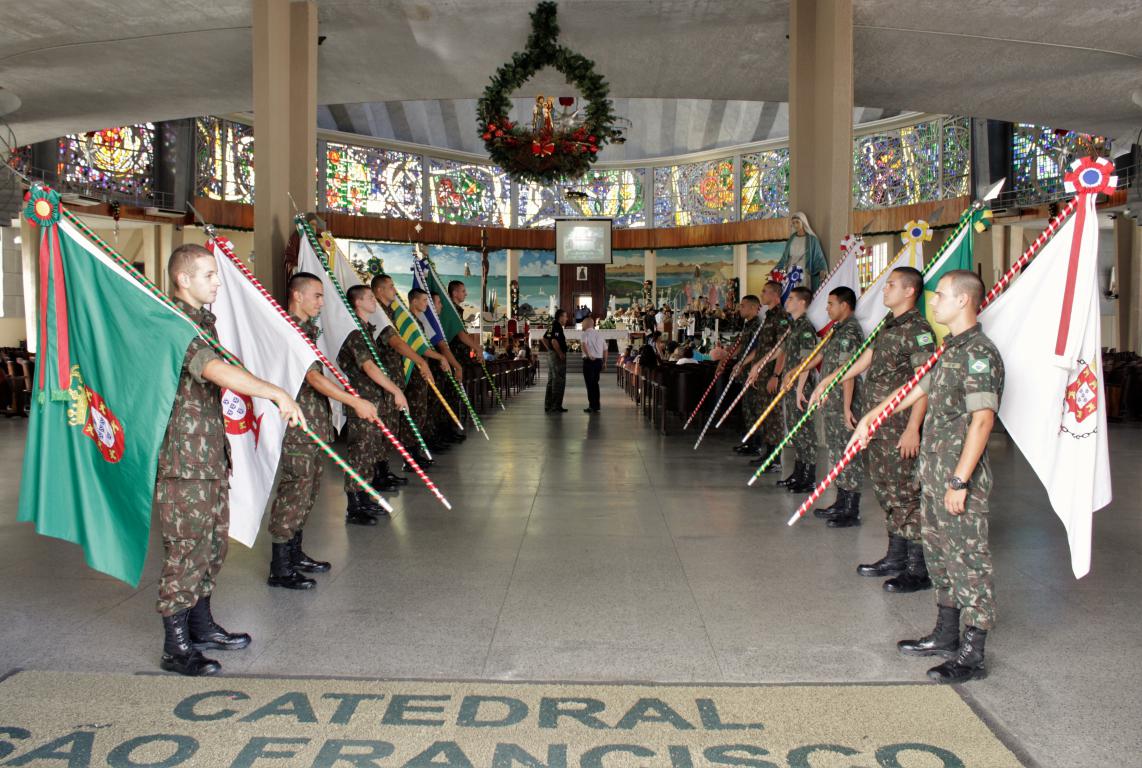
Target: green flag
<point>449,318</point>
<point>110,357</point>
<point>959,254</point>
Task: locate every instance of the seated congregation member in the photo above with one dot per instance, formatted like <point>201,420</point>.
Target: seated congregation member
<point>192,499</point>
<point>300,467</point>
<point>686,356</point>
<point>963,393</point>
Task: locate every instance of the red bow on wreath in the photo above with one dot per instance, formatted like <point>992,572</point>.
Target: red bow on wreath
<point>543,148</point>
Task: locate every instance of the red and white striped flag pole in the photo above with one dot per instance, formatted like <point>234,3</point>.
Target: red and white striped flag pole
<point>851,452</point>
<point>227,249</point>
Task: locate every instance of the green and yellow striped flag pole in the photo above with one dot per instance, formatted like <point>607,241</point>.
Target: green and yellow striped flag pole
<point>323,257</point>
<point>976,216</point>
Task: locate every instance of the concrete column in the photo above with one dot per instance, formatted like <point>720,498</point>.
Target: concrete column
<point>821,116</point>
<point>650,272</point>
<point>30,269</point>
<point>1014,245</point>
<point>741,267</point>
<point>285,84</point>
<point>1128,247</point>
<point>512,271</point>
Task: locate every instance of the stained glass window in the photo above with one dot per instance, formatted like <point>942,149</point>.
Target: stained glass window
<point>463,193</point>
<point>1041,155</point>
<point>618,194</point>
<point>371,180</point>
<point>225,160</point>
<point>765,185</point>
<point>116,162</point>
<point>955,156</point>
<point>916,163</point>
<point>696,193</point>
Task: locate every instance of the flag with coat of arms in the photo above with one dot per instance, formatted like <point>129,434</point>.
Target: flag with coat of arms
<point>1047,327</point>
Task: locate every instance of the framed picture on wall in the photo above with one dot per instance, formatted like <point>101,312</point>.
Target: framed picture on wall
<point>581,274</point>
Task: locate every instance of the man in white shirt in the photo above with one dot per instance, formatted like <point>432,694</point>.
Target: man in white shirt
<point>594,361</point>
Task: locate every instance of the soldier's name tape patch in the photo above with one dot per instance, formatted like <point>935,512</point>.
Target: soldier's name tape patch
<point>924,339</point>
<point>979,365</point>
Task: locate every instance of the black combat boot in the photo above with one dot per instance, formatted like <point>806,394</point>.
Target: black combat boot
<point>807,482</point>
<point>944,640</point>
<point>354,515</point>
<point>915,577</point>
<point>178,654</point>
<point>381,480</point>
<point>206,635</point>
<point>833,509</point>
<point>282,573</point>
<point>892,564</point>
<point>748,447</point>
<point>370,506</point>
<point>302,561</point>
<point>763,454</point>
<point>968,663</point>
<point>390,477</point>
<point>798,468</point>
<point>849,514</point>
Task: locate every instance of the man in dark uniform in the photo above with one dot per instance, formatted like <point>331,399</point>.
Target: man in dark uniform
<point>556,343</point>
<point>750,311</point>
<point>902,346</point>
<point>798,345</point>
<point>367,445</point>
<point>963,391</point>
<point>442,423</point>
<point>191,485</point>
<point>392,350</point>
<point>300,467</point>
<point>756,400</point>
<point>838,412</point>
<point>465,346</point>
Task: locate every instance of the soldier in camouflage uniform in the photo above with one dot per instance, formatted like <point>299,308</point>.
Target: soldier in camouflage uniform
<point>300,467</point>
<point>841,412</point>
<point>367,445</point>
<point>556,344</point>
<point>760,393</point>
<point>903,344</point>
<point>963,392</point>
<point>442,424</point>
<point>191,484</point>
<point>798,345</point>
<point>394,350</point>
<point>465,346</point>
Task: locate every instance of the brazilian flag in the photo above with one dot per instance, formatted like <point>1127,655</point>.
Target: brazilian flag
<point>959,253</point>
<point>409,330</point>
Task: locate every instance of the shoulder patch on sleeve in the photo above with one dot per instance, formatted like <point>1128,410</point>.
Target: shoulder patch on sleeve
<point>924,339</point>
<point>978,365</point>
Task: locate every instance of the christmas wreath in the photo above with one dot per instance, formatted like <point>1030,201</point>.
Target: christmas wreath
<point>549,149</point>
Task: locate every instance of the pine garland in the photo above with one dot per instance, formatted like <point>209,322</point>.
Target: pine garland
<point>519,150</point>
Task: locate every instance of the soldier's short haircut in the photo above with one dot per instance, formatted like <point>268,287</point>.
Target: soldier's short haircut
<point>802,293</point>
<point>845,294</point>
<point>355,294</point>
<point>911,278</point>
<point>751,299</point>
<point>298,280</point>
<point>453,285</point>
<point>964,282</point>
<point>378,279</point>
<point>414,292</point>
<point>183,259</point>
<point>773,285</point>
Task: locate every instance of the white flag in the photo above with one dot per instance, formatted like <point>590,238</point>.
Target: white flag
<point>1054,404</point>
<point>844,275</point>
<point>871,311</point>
<point>335,321</point>
<point>271,349</point>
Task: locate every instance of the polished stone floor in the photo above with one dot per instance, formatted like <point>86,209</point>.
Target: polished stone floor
<point>588,547</point>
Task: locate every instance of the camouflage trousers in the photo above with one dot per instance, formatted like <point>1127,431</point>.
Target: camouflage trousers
<point>804,442</point>
<point>556,382</point>
<point>194,517</point>
<point>895,484</point>
<point>754,403</point>
<point>299,477</point>
<point>366,446</point>
<point>837,435</point>
<point>417,394</point>
<point>956,546</point>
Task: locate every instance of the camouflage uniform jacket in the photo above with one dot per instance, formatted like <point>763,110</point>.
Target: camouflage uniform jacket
<point>461,351</point>
<point>802,340</point>
<point>847,336</point>
<point>314,406</point>
<point>194,446</point>
<point>352,358</point>
<point>902,346</point>
<point>748,330</point>
<point>968,378</point>
<point>772,328</point>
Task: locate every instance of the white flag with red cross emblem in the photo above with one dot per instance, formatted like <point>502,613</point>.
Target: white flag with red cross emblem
<point>253,329</point>
<point>1048,331</point>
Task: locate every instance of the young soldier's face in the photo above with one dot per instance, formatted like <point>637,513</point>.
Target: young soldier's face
<point>419,304</point>
<point>895,293</point>
<point>367,303</point>
<point>386,292</point>
<point>203,285</point>
<point>794,304</point>
<point>459,293</point>
<point>945,304</point>
<point>310,298</point>
<point>437,303</point>
<point>835,308</point>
